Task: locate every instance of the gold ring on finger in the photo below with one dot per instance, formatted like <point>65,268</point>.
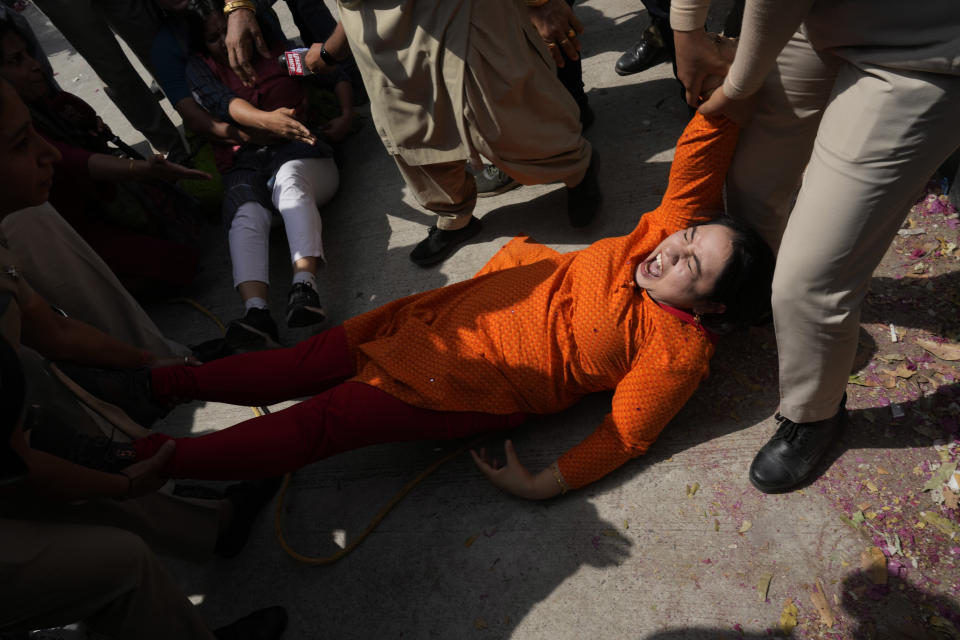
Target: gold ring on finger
<point>572,33</point>
<point>564,41</point>
<point>550,45</point>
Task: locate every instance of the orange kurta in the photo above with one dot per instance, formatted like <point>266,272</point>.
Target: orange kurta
<point>535,330</point>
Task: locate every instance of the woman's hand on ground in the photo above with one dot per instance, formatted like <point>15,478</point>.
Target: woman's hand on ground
<point>338,128</point>
<point>699,56</point>
<point>514,477</point>
<point>283,122</point>
<point>147,475</point>
<point>162,169</point>
<point>243,35</point>
<point>559,28</point>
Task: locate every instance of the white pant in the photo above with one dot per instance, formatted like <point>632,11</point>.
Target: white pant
<point>300,186</point>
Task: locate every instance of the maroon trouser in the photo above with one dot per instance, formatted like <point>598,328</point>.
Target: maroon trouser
<point>338,416</point>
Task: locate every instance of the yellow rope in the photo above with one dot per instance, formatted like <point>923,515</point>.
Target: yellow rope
<point>353,544</point>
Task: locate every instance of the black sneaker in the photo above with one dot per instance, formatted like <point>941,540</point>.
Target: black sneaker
<point>439,243</point>
<point>303,306</point>
<point>255,331</point>
<point>583,200</point>
<point>49,434</point>
<point>128,389</point>
<point>492,181</point>
<point>263,624</point>
<point>793,452</point>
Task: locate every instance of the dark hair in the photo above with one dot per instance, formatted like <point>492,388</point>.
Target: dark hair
<point>744,285</point>
<point>196,23</point>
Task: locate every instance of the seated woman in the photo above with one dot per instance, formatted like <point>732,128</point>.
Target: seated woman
<point>138,227</point>
<point>533,332</point>
<point>290,171</point>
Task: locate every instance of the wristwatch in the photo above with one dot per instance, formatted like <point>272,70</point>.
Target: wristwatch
<point>329,59</point>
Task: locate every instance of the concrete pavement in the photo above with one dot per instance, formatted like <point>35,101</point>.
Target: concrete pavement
<point>674,545</point>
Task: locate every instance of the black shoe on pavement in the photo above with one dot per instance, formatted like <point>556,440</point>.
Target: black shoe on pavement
<point>303,306</point>
<point>49,434</point>
<point>583,200</point>
<point>128,389</point>
<point>793,452</point>
<point>492,181</point>
<point>255,331</point>
<point>263,624</point>
<point>440,244</point>
<point>650,51</point>
<point>248,498</point>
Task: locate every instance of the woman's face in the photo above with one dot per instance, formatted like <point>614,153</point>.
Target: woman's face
<point>26,159</point>
<point>683,270</point>
<point>20,69</point>
<point>214,31</point>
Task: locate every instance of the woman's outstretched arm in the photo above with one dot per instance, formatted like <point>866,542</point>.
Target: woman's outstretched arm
<point>280,122</point>
<point>695,190</point>
<point>664,377</point>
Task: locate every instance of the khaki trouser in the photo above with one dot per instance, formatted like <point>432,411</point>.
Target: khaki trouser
<point>869,139</point>
<point>57,574</point>
<point>87,25</point>
<point>66,272</point>
<point>518,115</point>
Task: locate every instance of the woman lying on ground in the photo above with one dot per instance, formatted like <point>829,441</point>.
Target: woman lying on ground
<point>288,170</point>
<point>533,332</point>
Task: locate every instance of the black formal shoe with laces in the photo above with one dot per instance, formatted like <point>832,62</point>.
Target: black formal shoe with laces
<point>793,452</point>
<point>440,243</point>
<point>650,51</point>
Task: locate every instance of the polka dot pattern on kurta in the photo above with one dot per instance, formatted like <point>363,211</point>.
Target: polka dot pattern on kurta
<point>536,330</point>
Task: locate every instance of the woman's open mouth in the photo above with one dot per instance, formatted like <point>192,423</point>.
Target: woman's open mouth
<point>653,268</point>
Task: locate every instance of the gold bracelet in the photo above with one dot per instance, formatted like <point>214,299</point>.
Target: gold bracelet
<point>559,477</point>
<point>535,3</point>
<point>233,5</point>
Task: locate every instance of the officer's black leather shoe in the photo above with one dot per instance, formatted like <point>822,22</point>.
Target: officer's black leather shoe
<point>650,51</point>
<point>440,243</point>
<point>793,452</point>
